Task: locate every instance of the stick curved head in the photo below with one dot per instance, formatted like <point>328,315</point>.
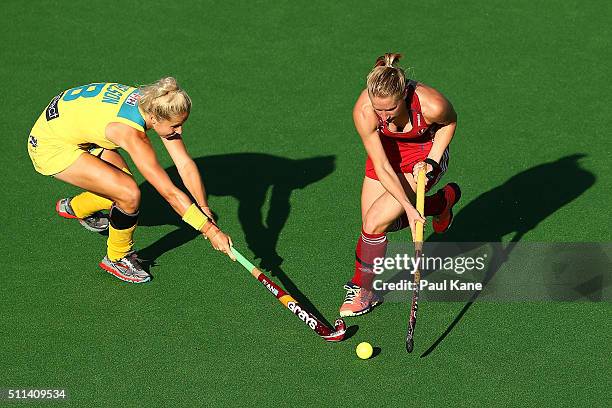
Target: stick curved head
<point>338,333</point>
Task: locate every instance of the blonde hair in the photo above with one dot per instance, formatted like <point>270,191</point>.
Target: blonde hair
<point>164,99</point>
<point>386,79</point>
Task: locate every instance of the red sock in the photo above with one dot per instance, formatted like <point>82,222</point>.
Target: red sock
<point>369,247</point>
<point>435,204</point>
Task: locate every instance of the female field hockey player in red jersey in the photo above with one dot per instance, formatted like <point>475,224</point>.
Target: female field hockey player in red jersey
<point>76,140</point>
<point>404,126</point>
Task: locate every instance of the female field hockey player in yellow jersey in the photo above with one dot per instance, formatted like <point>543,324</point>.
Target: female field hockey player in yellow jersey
<point>76,140</point>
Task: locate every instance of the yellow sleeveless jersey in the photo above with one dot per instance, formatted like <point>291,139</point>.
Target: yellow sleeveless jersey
<point>80,115</point>
<point>76,119</point>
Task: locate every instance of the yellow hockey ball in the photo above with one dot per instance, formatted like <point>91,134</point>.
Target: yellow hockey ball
<point>364,350</point>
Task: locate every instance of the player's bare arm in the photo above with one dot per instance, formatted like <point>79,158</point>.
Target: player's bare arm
<point>436,109</point>
<point>188,171</point>
<point>138,146</point>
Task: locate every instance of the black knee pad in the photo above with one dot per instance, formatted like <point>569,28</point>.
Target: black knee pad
<point>121,220</point>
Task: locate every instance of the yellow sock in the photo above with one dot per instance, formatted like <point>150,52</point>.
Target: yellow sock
<point>88,203</point>
<point>119,242</point>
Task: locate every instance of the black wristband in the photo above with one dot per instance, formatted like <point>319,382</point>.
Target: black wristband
<point>434,164</point>
<point>435,168</point>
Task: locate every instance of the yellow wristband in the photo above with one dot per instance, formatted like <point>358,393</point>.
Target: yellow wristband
<point>194,217</point>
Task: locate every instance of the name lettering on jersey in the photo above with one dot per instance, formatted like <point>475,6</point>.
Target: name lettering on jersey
<point>113,93</point>
<point>52,112</point>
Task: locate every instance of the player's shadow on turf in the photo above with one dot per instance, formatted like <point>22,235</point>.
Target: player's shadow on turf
<point>515,207</point>
<point>521,203</point>
<point>250,178</point>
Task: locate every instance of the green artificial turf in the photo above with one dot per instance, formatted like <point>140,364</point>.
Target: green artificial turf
<point>273,85</point>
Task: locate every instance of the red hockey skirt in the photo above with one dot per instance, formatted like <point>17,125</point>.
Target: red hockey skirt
<point>403,156</point>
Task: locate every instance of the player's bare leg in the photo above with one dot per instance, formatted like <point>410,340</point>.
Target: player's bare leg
<point>88,207</point>
<point>96,176</point>
<point>379,211</point>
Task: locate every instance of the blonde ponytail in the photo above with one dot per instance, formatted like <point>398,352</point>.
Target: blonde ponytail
<point>386,79</point>
<point>164,99</point>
